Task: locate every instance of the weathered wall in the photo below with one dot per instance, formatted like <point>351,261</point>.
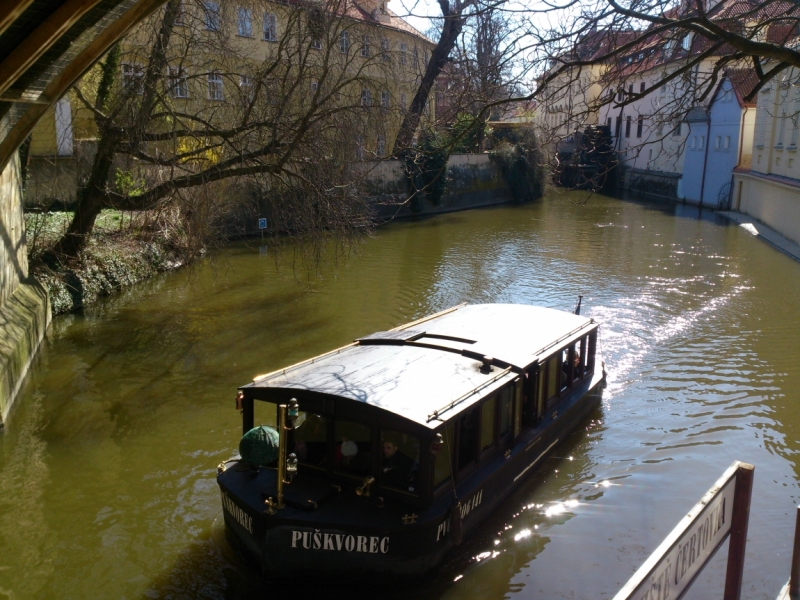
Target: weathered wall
<point>473,180</point>
<point>24,309</point>
<point>13,252</point>
<point>773,200</point>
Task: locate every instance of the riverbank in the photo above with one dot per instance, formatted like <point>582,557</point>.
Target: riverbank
<point>116,256</point>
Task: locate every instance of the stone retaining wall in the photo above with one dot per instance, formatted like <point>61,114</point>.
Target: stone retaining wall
<point>24,308</point>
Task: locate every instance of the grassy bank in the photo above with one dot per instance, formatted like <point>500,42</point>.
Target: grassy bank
<point>119,253</point>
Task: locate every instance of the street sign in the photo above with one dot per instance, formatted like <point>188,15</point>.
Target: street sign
<point>262,223</point>
<point>722,511</point>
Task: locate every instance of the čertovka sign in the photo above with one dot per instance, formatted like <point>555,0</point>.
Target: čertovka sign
<point>669,571</point>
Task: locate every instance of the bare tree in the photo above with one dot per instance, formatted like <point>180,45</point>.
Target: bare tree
<point>185,107</point>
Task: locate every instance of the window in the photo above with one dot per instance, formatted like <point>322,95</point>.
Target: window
<point>316,44</point>
<point>641,88</point>
<point>314,86</point>
<point>702,143</point>
<point>552,371</point>
<point>795,117</point>
<point>618,126</point>
<point>628,126</point>
<point>247,87</point>
<point>468,438</point>
<point>505,411</point>
<point>761,125</point>
<point>211,15</point>
<point>353,451</point>
<point>385,99</point>
<point>365,46</point>
<point>403,54</point>
<point>244,22</point>
<point>178,86</point>
<point>215,86</point>
<point>781,129</point>
<point>639,126</point>
<point>271,28</point>
<point>385,50</point>
<point>726,144</point>
<point>620,94</point>
<point>415,58</point>
<point>692,142</point>
<point>399,461</point>
<point>180,15</point>
<point>686,43</point>
<point>380,147</point>
<point>660,128</point>
<point>133,78</point>
<point>366,97</point>
<point>717,142</point>
<point>488,409</point>
<point>609,122</point>
<point>309,439</point>
<point>344,42</point>
<point>359,147</point>
<point>403,102</point>
<point>442,457</point>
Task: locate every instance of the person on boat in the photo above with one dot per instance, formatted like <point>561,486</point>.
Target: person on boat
<point>395,466</point>
<point>576,368</point>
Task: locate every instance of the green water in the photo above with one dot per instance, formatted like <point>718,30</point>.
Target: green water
<point>108,462</point>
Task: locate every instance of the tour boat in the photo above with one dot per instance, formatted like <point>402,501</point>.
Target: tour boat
<point>381,455</point>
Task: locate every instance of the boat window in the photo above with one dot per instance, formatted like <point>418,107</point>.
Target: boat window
<point>506,409</point>
<point>553,377</point>
<point>571,368</point>
<point>399,461</point>
<point>353,447</point>
<point>468,432</point>
<point>528,396</point>
<point>443,458</point>
<point>310,437</point>
<point>542,394</point>
<point>487,424</point>
<point>518,406</point>
<point>265,413</point>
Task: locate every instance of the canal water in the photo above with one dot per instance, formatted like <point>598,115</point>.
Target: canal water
<point>108,462</point>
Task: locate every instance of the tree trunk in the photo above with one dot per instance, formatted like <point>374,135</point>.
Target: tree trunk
<point>94,197</point>
<point>453,24</point>
<point>91,200</point>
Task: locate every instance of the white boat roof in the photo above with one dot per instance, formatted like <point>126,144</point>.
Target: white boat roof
<point>418,370</point>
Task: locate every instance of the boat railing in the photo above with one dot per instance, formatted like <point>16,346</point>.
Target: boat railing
<point>437,413</point>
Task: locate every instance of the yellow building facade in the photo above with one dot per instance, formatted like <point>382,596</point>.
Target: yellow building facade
<point>354,66</point>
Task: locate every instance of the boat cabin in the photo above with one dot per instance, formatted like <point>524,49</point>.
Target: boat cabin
<point>409,413</point>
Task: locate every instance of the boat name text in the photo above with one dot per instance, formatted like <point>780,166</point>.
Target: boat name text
<point>318,540</point>
<point>237,513</point>
<point>466,508</point>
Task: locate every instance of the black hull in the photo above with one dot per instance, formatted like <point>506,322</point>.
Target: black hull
<point>347,535</point>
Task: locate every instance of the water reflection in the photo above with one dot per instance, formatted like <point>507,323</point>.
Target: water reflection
<point>107,465</point>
